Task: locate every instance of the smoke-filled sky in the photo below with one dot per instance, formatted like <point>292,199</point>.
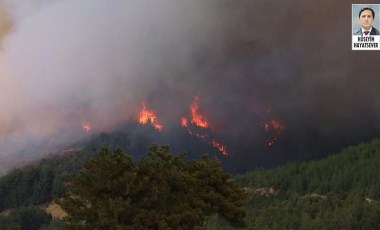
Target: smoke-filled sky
<point>65,62</point>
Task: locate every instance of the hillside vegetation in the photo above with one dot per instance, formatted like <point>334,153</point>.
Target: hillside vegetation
<point>161,191</point>
<point>339,192</point>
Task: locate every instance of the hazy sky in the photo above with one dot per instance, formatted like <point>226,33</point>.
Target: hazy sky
<point>64,62</point>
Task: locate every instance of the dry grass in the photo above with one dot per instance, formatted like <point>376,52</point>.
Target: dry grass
<point>5,212</point>
<point>55,210</point>
<point>266,191</point>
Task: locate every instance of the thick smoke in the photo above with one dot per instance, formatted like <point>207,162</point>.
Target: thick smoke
<point>65,62</point>
<point>96,59</point>
<point>68,62</point>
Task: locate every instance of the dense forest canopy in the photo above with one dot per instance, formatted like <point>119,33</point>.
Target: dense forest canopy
<point>341,191</point>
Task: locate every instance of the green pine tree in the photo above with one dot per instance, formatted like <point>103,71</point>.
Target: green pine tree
<point>161,191</point>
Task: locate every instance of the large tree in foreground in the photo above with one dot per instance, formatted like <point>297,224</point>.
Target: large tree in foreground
<point>161,191</point>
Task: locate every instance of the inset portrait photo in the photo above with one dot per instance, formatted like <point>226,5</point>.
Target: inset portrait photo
<point>365,26</point>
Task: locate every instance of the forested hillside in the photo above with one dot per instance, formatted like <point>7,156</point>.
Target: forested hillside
<point>44,181</point>
<point>339,192</point>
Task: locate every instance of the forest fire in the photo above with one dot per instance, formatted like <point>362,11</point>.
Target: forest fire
<point>274,127</point>
<point>200,121</point>
<point>218,145</point>
<point>197,125</point>
<point>277,126</point>
<point>146,116</point>
<point>197,118</point>
<point>86,127</point>
<point>183,122</point>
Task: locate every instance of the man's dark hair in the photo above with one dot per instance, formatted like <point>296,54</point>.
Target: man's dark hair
<point>367,8</point>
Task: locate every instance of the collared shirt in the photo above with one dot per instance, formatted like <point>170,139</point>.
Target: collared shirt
<point>369,31</point>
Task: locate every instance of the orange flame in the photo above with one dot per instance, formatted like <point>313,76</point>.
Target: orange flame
<point>277,126</point>
<point>220,147</point>
<point>146,116</point>
<point>197,119</point>
<point>200,120</point>
<point>272,126</point>
<point>183,122</point>
<point>86,127</point>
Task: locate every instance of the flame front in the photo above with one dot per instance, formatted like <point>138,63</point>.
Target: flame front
<point>199,120</point>
<point>222,148</point>
<point>196,118</point>
<point>146,116</point>
<point>197,125</point>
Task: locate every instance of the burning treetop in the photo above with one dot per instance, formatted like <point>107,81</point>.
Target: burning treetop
<point>197,125</point>
<point>148,116</point>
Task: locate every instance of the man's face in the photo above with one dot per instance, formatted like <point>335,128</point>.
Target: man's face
<point>366,19</point>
